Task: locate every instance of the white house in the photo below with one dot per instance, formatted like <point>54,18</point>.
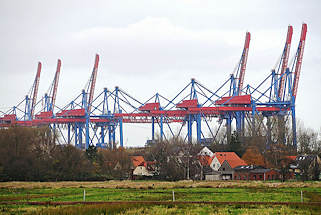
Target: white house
<point>215,164</point>
<point>206,152</point>
<point>141,171</point>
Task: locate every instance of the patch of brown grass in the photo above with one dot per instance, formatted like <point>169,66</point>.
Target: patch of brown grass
<point>126,184</point>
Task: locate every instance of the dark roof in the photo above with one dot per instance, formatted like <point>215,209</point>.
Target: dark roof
<point>305,157</point>
<point>260,170</point>
<point>245,167</point>
<point>252,168</point>
<point>207,169</point>
<point>302,160</point>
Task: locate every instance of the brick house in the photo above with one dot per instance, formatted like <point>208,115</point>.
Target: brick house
<point>253,172</point>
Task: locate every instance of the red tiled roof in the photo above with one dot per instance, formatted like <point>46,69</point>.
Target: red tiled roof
<point>235,163</point>
<point>138,161</point>
<point>230,157</point>
<point>205,160</point>
<point>291,157</point>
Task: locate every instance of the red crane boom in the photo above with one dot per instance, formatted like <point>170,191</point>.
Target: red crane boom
<point>54,93</point>
<point>93,83</point>
<point>299,60</point>
<point>244,61</point>
<point>35,89</point>
<point>285,59</point>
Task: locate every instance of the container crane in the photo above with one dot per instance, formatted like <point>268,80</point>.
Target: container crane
<point>34,92</point>
<point>299,58</point>
<point>89,120</point>
<point>92,83</point>
<point>55,85</point>
<point>285,59</point>
<point>243,62</point>
<point>298,61</point>
<point>50,96</point>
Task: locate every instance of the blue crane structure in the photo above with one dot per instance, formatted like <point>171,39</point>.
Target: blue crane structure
<point>89,120</point>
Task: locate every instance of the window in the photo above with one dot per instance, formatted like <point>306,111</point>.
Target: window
<point>261,176</point>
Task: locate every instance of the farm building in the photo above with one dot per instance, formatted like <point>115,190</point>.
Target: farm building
<point>252,172</point>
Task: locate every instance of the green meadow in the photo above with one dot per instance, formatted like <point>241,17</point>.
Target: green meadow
<point>118,191</point>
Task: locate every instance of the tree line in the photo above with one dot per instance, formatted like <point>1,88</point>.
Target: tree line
<point>31,154</point>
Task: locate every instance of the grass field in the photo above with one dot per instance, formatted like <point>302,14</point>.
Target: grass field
<point>118,191</point>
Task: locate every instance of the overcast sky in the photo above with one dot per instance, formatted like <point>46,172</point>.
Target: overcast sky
<point>149,46</point>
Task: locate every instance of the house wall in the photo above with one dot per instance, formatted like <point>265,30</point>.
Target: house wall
<point>247,175</point>
<point>257,176</point>
<point>212,177</point>
<point>215,164</point>
<point>206,151</point>
<point>241,175</point>
<point>142,171</point>
<point>227,176</point>
<point>272,175</point>
<point>226,171</point>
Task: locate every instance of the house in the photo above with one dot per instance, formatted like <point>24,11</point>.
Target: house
<point>206,152</point>
<point>252,172</point>
<point>204,162</point>
<point>306,167</point>
<point>152,168</point>
<point>222,166</point>
<point>226,170</point>
<point>232,158</point>
<point>140,167</point>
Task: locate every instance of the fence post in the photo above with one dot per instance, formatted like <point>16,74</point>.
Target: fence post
<point>301,196</point>
<point>173,196</point>
<point>84,195</point>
